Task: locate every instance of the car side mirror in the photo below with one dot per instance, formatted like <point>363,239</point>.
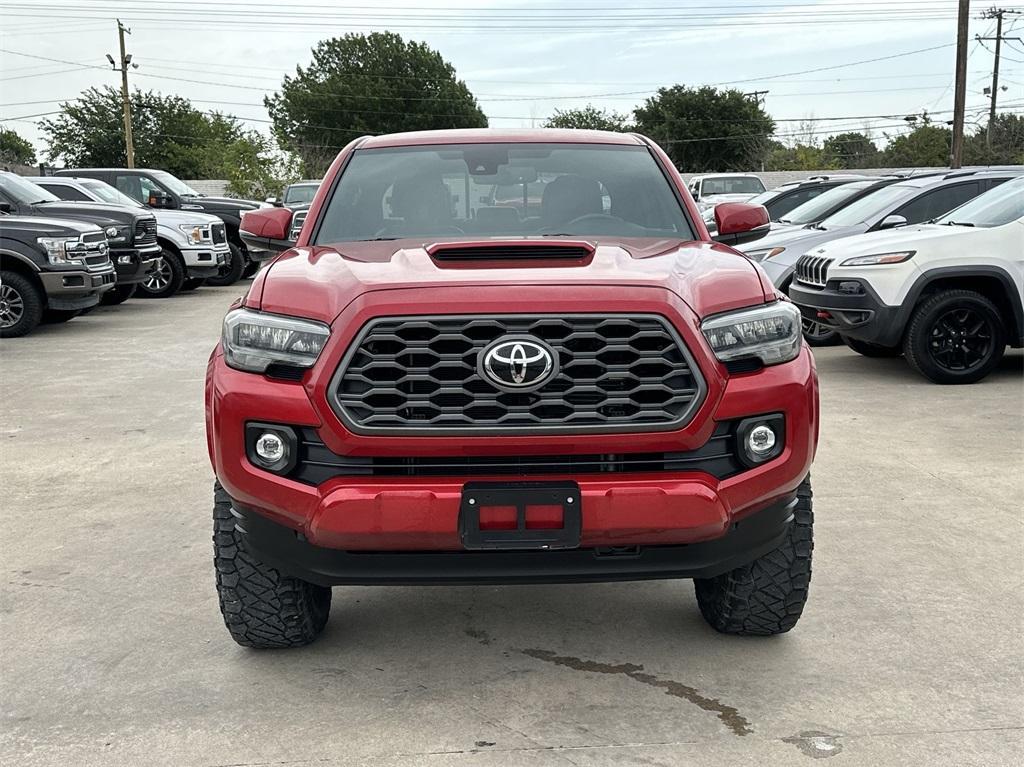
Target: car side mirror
<point>5,207</point>
<point>158,199</point>
<point>892,221</point>
<point>740,222</point>
<point>277,202</point>
<point>266,229</point>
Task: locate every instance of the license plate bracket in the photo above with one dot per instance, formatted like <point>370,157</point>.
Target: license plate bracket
<point>477,496</point>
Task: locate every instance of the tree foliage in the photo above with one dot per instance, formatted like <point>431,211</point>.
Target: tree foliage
<point>367,84</point>
<point>1007,144</point>
<point>849,150</point>
<point>14,149</point>
<point>797,157</point>
<point>927,146</point>
<point>168,133</point>
<point>590,118</point>
<point>705,129</point>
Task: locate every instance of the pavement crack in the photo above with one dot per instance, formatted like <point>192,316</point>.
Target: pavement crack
<point>728,715</point>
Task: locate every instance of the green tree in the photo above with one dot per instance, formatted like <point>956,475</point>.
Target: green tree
<point>927,146</point>
<point>168,133</point>
<point>257,169</point>
<point>1007,144</point>
<point>797,157</point>
<point>850,150</point>
<point>360,84</point>
<point>589,118</point>
<point>705,129</point>
<point>14,149</point>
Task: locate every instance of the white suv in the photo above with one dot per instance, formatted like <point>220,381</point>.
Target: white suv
<point>947,294</point>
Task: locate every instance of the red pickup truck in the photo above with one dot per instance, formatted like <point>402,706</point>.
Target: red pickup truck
<point>431,388</point>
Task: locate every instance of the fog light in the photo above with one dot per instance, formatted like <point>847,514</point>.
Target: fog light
<point>271,448</point>
<point>761,440</point>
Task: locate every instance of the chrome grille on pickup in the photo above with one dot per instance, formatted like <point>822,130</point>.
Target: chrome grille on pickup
<point>813,270</point>
<point>297,221</point>
<point>218,234</point>
<point>145,231</point>
<point>420,375</point>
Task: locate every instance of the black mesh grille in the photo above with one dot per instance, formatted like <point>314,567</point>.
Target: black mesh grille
<point>509,252</point>
<point>145,231</point>
<point>420,374</point>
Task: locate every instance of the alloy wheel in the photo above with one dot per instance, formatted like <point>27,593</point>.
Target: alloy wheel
<point>12,306</point>
<point>159,279</point>
<point>960,339</point>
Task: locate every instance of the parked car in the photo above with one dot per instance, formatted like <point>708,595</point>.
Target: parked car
<point>785,198</point>
<point>417,393</point>
<point>946,295</point>
<point>299,194</point>
<point>50,269</point>
<point>711,189</point>
<point>886,204</point>
<point>159,189</point>
<point>131,234</point>
<point>193,245</point>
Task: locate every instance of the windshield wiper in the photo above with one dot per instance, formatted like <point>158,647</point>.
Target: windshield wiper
<point>379,239</point>
<point>959,223</point>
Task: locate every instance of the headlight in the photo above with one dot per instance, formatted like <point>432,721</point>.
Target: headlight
<point>764,253</point>
<point>117,233</point>
<point>770,333</point>
<point>880,258</point>
<point>254,340</point>
<point>195,234</point>
<point>63,251</point>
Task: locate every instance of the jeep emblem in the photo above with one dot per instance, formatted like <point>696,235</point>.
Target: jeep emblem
<point>518,363</point>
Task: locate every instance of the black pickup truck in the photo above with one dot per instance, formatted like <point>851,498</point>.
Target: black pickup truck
<point>50,269</point>
<point>160,189</point>
<point>130,233</point>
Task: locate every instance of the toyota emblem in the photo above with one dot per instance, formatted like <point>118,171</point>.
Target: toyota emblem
<point>518,363</point>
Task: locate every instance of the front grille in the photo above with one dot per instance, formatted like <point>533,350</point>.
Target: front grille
<point>297,220</point>
<point>94,239</point>
<point>316,463</point>
<point>145,231</point>
<point>98,260</point>
<point>218,234</point>
<point>420,375</point>
<point>509,253</point>
<point>813,270</point>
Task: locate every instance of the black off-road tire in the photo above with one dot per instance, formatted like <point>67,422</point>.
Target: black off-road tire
<point>22,304</point>
<point>767,596</point>
<point>118,294</point>
<point>251,267</point>
<point>168,282</point>
<point>231,272</point>
<point>191,283</point>
<point>59,316</point>
<point>868,349</point>
<point>922,336</point>
<point>262,607</point>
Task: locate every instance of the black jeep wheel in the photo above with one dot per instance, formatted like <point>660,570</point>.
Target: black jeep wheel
<point>21,305</point>
<point>59,316</point>
<point>262,607</point>
<point>166,279</point>
<point>768,595</point>
<point>817,334</point>
<point>868,349</point>
<point>118,294</point>
<point>955,337</point>
<point>231,272</point>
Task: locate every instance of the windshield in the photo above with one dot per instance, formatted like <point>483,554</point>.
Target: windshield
<point>493,190</point>
<point>816,209</point>
<point>300,195</point>
<point>176,185</point>
<point>107,193</point>
<point>867,207</point>
<point>996,207</point>
<point>766,197</point>
<point>24,192</point>
<point>731,185</point>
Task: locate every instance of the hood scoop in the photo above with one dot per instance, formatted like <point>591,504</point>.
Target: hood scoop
<point>509,252</point>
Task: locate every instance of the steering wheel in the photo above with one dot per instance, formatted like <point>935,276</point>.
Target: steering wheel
<point>611,224</point>
<point>440,231</point>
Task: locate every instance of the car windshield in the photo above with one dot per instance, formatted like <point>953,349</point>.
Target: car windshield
<point>766,197</point>
<point>24,192</point>
<point>300,195</point>
<point>731,185</point>
<point>107,193</point>
<point>174,184</point>
<point>996,207</point>
<point>816,209</point>
<point>493,190</point>
<point>868,206</point>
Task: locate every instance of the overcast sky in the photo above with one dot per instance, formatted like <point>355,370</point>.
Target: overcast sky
<point>523,58</point>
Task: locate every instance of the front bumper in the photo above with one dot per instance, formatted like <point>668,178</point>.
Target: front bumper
<point>205,260</point>
<point>860,315</point>
<point>133,265</point>
<point>76,288</point>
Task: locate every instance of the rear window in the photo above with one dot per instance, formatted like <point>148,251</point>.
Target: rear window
<point>300,195</point>
<point>494,190</point>
<point>730,185</point>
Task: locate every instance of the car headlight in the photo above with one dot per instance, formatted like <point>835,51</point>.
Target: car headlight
<point>60,250</point>
<point>255,340</point>
<point>770,333</point>
<point>880,258</point>
<point>117,233</point>
<point>195,234</point>
<point>763,254</point>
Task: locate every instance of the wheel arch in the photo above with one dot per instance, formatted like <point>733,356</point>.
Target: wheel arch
<point>170,245</point>
<point>17,262</point>
<point>991,281</point>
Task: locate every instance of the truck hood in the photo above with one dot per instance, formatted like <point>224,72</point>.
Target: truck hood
<point>175,218</point>
<point>319,282</point>
<point>224,204</point>
<point>102,213</point>
<point>38,226</point>
<point>712,200</point>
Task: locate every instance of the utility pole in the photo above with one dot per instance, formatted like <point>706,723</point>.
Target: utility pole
<point>125,60</point>
<point>757,97</point>
<point>997,14</point>
<point>960,100</point>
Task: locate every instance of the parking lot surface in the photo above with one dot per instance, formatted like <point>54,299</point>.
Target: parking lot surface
<point>113,651</point>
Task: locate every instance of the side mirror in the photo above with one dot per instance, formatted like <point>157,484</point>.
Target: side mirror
<point>158,199</point>
<point>740,222</point>
<point>5,207</point>
<point>266,229</point>
<point>275,201</point>
<point>892,221</point>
